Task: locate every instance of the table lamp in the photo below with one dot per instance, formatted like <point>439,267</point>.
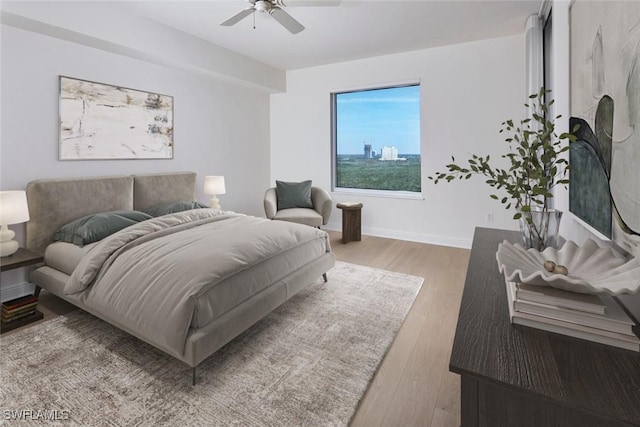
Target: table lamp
<point>13,210</point>
<point>214,185</point>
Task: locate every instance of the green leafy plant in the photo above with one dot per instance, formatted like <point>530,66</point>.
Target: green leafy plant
<point>536,162</point>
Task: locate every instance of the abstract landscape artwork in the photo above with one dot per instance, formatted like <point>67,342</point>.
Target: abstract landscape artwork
<point>605,103</point>
<point>101,121</point>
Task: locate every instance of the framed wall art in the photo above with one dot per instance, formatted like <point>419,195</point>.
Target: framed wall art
<point>605,103</point>
<point>101,121</point>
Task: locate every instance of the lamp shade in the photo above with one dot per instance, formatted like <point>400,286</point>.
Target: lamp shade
<point>214,185</point>
<point>13,207</point>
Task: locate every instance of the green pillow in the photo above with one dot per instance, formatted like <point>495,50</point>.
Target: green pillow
<point>173,207</point>
<point>92,228</point>
<point>294,194</point>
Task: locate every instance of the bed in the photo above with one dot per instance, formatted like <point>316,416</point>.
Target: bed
<point>186,283</point>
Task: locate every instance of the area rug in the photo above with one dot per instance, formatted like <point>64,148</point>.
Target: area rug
<point>306,364</point>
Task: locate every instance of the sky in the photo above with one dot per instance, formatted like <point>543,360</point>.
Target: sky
<point>381,117</point>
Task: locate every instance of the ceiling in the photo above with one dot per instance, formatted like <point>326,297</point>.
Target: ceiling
<point>341,30</point>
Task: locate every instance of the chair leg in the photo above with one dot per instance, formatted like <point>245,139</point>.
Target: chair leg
<point>324,276</point>
<point>193,376</point>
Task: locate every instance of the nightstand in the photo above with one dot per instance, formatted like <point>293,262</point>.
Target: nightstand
<point>22,258</point>
<point>351,221</point>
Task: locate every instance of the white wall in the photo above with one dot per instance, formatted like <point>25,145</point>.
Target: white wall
<point>112,27</point>
<point>467,90</point>
<point>220,128</point>
<point>210,118</point>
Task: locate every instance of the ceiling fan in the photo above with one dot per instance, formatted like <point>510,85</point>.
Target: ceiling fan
<point>275,9</point>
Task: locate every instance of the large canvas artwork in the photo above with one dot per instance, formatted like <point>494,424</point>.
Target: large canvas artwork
<point>605,102</point>
<point>100,121</point>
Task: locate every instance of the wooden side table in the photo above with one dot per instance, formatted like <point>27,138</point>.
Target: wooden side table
<point>351,221</point>
<point>22,258</point>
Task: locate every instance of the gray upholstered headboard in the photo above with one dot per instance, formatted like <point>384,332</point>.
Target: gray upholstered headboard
<point>55,202</point>
<point>150,190</point>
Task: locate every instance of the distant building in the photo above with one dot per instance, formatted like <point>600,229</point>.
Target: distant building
<point>390,153</point>
<point>367,151</point>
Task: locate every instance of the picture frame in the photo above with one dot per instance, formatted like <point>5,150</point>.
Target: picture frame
<point>605,110</point>
<point>99,121</point>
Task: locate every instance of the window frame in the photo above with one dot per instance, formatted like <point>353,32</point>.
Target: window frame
<point>334,144</point>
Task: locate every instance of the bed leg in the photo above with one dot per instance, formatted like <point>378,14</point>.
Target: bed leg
<point>193,376</point>
<point>324,276</point>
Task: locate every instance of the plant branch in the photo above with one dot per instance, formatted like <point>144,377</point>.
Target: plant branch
<point>536,160</point>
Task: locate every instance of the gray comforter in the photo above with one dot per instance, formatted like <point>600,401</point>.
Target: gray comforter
<point>180,271</point>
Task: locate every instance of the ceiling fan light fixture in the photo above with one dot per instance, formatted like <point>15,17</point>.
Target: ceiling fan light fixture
<point>262,6</point>
<point>273,8</point>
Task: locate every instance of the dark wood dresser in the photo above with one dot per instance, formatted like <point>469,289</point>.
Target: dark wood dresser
<point>512,375</point>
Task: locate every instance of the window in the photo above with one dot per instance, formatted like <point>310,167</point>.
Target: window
<point>376,139</point>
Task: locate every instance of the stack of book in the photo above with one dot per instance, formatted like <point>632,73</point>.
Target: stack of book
<point>596,318</point>
<point>19,308</point>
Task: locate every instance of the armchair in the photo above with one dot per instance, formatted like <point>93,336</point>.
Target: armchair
<point>315,217</point>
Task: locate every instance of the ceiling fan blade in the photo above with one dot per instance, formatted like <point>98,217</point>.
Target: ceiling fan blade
<point>237,17</point>
<point>286,20</point>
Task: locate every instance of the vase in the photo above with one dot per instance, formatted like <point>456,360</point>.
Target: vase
<point>540,228</point>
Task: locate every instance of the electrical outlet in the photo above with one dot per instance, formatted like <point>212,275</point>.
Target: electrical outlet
<point>489,217</point>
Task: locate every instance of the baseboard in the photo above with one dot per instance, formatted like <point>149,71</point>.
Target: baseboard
<point>408,236</point>
<point>16,291</point>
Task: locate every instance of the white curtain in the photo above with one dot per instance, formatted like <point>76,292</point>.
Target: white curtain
<point>535,54</point>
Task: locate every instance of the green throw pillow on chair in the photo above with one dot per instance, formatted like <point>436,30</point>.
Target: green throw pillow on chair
<point>294,194</point>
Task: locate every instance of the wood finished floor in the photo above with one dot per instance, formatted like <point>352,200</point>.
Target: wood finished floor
<point>413,385</point>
